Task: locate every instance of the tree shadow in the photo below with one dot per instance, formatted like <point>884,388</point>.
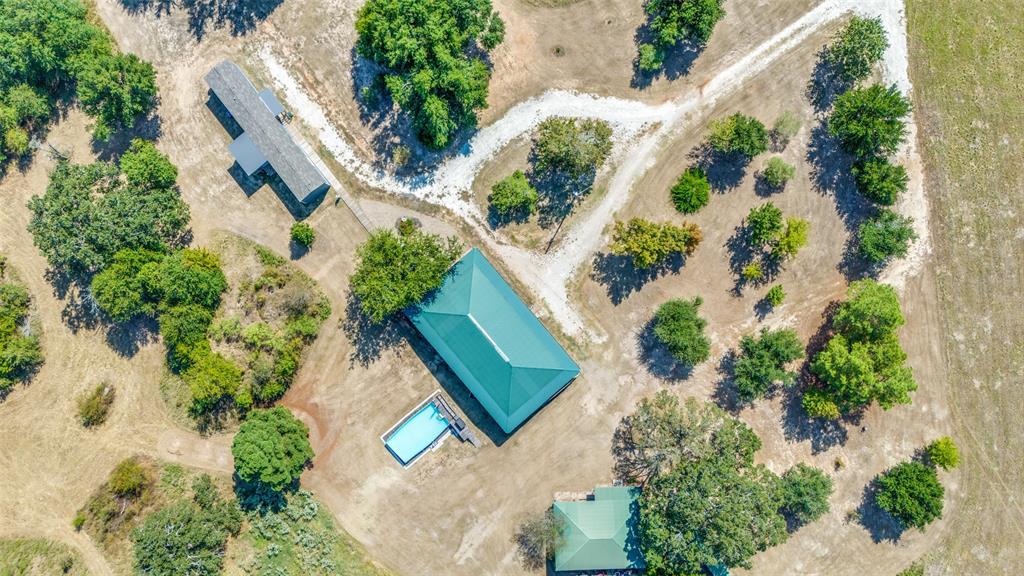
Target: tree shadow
<point>825,83</point>
<point>559,193</point>
<point>764,189</point>
<point>726,396</point>
<point>148,127</point>
<point>741,253</point>
<point>371,339</point>
<point>621,277</point>
<point>497,220</point>
<point>127,338</point>
<point>259,498</point>
<point>657,359</point>
<point>239,16</point>
<point>724,171</point>
<point>678,60</point>
<point>296,250</point>
<point>879,523</point>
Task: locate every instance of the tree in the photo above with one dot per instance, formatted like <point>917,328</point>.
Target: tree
<point>650,57</point>
<point>88,214</point>
<point>210,377</point>
<point>805,493</point>
<point>189,276</point>
<point>857,48</point>
<point>303,234</point>
<point>885,235</point>
<point>792,239</point>
<point>271,448</point>
<point>911,493</point>
<point>119,289</point>
<point>571,146</point>
<point>189,536</point>
<point>673,21</point>
<point>786,126</point>
<point>943,453</point>
<point>739,134</point>
<point>395,271</point>
<point>856,373</point>
<point>433,53</point>
<point>871,311</point>
<point>650,243</point>
<point>762,362</point>
<point>818,404</point>
<point>678,326</point>
<point>777,172</point>
<point>538,537</point>
<point>514,195</point>
<point>20,352</point>
<point>775,296</point>
<point>870,121</point>
<point>764,224</point>
<point>691,191</point>
<point>115,89</point>
<point>880,181</point>
<point>146,167</point>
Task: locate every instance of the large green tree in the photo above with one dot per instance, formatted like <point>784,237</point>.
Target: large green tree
<point>885,235</point>
<point>433,53</point>
<point>571,146</point>
<point>911,493</point>
<point>679,327</point>
<point>762,362</point>
<point>271,449</point>
<point>870,121</point>
<point>857,48</point>
<point>650,243</point>
<point>871,311</point>
<point>397,270</point>
<point>673,21</point>
<point>739,134</point>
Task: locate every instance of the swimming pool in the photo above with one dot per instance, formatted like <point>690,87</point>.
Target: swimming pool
<point>416,434</point>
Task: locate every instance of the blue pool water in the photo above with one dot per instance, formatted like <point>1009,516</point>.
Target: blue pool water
<point>417,433</point>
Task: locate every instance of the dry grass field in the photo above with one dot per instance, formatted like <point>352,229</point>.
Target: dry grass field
<point>456,510</point>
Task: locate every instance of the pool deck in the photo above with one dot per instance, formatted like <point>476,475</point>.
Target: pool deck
<point>456,427</point>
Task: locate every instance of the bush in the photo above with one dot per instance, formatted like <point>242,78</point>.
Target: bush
<point>271,449</point>
<point>93,407</point>
<point>777,172</point>
<point>880,181</point>
<point>911,493</point>
<point>752,272</point>
<point>189,276</point>
<point>681,330</point>
<point>857,48</point>
<point>145,166</point>
<point>650,57</point>
<point>787,125</point>
<point>649,243</point>
<point>739,134</point>
<point>885,235</point>
<point>944,453</point>
<point>211,378</point>
<point>793,238</point>
<point>672,21</point>
<point>395,271</point>
<point>185,325</point>
<point>762,362</point>
<point>691,191</point>
<point>805,493</point>
<point>571,146</point>
<point>514,195</point>
<point>16,141</point>
<point>870,121</point>
<point>433,55</point>
<point>401,155</point>
<point>775,296</point>
<point>303,234</point>
<point>129,479</point>
<point>819,404</point>
<point>764,224</point>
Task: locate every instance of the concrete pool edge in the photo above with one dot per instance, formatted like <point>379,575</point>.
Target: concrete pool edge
<point>430,447</point>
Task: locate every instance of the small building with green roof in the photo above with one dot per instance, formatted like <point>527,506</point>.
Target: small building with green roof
<point>493,343</point>
<point>600,533</point>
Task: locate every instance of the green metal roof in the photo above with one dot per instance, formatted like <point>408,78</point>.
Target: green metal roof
<point>600,534</point>
<point>492,341</point>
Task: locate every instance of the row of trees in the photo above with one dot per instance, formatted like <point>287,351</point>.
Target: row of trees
<point>20,352</point>
<point>705,502</point>
<point>870,124</point>
<point>52,50</point>
<point>433,53</point>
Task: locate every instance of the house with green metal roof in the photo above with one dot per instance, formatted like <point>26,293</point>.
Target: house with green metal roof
<point>600,533</point>
<point>492,342</point>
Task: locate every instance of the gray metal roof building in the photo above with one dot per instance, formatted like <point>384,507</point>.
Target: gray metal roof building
<point>266,142</point>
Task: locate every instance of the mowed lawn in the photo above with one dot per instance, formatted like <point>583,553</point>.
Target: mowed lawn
<point>967,65</point>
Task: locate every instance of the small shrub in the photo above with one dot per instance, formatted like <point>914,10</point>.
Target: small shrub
<point>226,329</point>
<point>514,195</point>
<point>681,330</point>
<point>793,238</point>
<point>129,479</point>
<point>401,155</point>
<point>650,57</point>
<point>752,272</point>
<point>691,191</point>
<point>94,406</point>
<point>818,404</point>
<point>78,521</point>
<point>764,224</point>
<point>944,453</point>
<point>787,125</point>
<point>805,493</point>
<point>303,234</point>
<point>777,172</point>
<point>16,141</point>
<point>775,296</point>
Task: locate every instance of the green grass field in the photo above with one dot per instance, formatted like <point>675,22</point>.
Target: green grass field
<point>38,557</point>
<point>967,65</point>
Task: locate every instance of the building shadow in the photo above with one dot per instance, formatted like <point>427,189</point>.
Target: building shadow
<point>621,278</point>
<point>879,523</point>
<point>239,17</point>
<point>657,359</point>
<point>677,62</point>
